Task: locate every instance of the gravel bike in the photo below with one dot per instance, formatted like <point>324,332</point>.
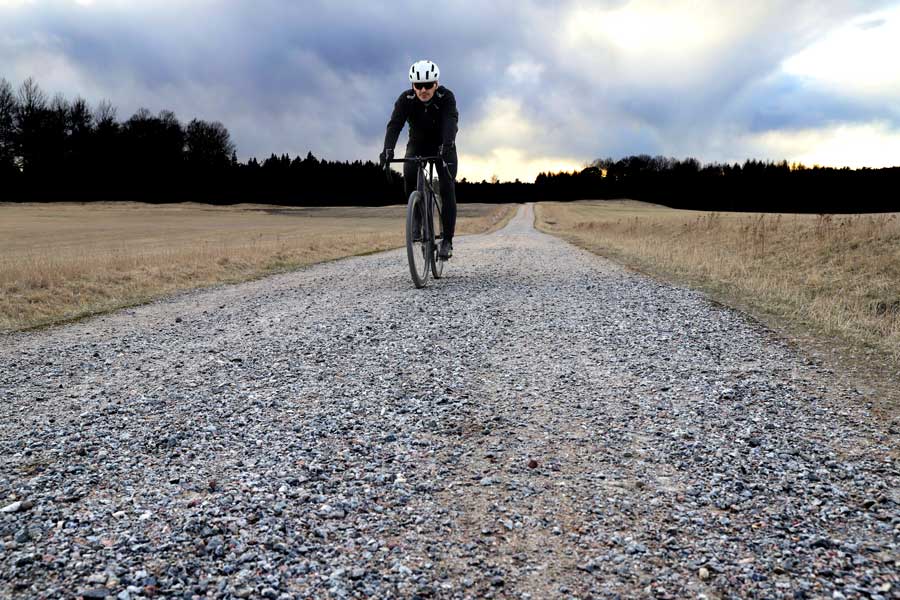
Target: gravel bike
<point>424,227</point>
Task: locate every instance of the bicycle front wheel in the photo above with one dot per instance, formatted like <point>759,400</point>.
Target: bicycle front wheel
<point>437,265</point>
<point>419,243</point>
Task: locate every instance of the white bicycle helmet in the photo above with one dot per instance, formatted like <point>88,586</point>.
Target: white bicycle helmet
<point>424,71</point>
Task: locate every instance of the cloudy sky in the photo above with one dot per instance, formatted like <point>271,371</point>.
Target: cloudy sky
<point>541,85</point>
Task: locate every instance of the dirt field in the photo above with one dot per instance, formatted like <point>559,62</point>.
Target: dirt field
<point>63,261</point>
<point>834,277</point>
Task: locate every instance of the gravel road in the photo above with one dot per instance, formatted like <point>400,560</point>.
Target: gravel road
<point>540,424</point>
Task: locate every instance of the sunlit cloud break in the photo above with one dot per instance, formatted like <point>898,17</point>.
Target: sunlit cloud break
<point>539,87</point>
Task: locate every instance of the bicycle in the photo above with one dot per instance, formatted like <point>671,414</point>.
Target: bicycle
<point>424,227</point>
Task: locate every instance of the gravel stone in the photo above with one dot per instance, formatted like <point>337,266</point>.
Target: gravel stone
<point>541,422</point>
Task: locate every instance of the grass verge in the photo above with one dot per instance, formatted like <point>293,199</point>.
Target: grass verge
<point>63,261</point>
<point>831,282</point>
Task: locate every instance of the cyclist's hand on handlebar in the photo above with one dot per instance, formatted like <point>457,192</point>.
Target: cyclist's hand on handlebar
<point>446,151</point>
<point>386,155</point>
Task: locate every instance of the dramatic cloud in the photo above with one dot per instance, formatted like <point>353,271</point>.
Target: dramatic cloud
<point>541,85</point>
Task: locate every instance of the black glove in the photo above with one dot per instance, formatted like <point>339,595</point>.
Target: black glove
<point>386,155</point>
<point>446,151</point>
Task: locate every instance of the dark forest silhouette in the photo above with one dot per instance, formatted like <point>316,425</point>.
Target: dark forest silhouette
<point>53,149</point>
<point>753,186</point>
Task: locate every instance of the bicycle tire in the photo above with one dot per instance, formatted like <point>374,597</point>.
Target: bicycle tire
<point>437,265</point>
<point>419,246</point>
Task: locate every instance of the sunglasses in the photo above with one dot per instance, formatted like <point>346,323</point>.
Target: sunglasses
<point>424,86</point>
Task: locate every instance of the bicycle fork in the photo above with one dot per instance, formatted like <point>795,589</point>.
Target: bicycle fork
<point>427,233</point>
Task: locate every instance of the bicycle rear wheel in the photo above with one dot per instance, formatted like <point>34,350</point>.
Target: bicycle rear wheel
<point>419,245</point>
<point>437,265</point>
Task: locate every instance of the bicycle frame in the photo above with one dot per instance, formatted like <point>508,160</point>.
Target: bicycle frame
<point>423,183</point>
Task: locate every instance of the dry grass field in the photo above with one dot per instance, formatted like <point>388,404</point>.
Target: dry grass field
<point>836,277</point>
<point>64,261</point>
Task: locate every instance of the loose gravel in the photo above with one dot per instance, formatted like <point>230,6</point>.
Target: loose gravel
<point>542,423</point>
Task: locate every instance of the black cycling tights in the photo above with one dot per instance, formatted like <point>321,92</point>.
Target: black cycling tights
<point>447,184</point>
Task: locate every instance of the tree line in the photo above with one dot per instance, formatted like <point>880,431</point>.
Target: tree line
<point>56,146</point>
<point>759,186</point>
<point>53,149</point>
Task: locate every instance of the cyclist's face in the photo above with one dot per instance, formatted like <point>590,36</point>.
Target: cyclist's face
<point>426,94</point>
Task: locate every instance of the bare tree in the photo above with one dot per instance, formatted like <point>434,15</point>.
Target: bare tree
<point>8,108</point>
<point>32,98</point>
<point>30,124</point>
<point>105,115</point>
<point>106,153</point>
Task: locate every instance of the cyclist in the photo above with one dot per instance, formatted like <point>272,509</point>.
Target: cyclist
<point>430,110</point>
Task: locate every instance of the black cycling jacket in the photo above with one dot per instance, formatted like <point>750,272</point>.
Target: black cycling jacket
<point>432,123</point>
